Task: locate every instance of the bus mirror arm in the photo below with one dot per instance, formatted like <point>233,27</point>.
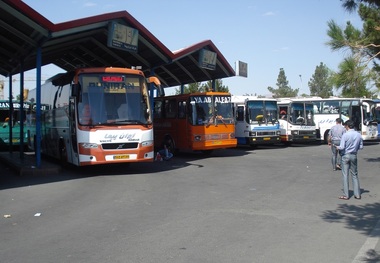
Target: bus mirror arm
<point>75,90</point>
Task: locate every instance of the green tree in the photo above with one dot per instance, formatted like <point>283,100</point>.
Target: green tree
<point>218,86</point>
<point>202,87</point>
<point>352,78</point>
<point>364,44</point>
<point>366,41</point>
<point>320,84</point>
<point>284,90</point>
<point>190,88</point>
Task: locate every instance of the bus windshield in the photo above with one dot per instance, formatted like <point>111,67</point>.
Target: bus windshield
<point>214,109</point>
<point>369,112</point>
<point>302,114</point>
<point>262,112</point>
<point>113,99</point>
<point>377,112</point>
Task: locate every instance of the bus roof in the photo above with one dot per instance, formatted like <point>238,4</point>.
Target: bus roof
<point>242,98</point>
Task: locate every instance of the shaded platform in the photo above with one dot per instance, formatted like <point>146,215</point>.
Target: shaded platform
<point>27,164</point>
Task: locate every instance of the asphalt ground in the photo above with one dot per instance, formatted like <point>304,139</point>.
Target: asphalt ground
<point>271,204</point>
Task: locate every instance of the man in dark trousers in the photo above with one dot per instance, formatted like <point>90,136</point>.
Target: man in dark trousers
<point>335,135</point>
<point>350,144</point>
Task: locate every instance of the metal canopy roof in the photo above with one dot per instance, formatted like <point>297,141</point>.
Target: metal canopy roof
<point>83,43</point>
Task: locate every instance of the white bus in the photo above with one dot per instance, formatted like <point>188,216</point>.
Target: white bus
<point>103,116</point>
<point>296,120</point>
<point>377,111</point>
<point>361,111</point>
<point>256,120</point>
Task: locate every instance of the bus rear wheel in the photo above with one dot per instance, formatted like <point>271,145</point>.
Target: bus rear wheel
<point>326,137</point>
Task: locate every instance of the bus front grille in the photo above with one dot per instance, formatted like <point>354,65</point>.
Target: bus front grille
<point>266,133</point>
<point>119,146</point>
<point>306,132</point>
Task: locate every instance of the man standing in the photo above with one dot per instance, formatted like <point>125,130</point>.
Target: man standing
<point>350,144</point>
<point>335,135</point>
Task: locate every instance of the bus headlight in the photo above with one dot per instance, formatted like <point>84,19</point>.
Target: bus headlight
<point>89,145</point>
<point>252,134</point>
<point>232,135</point>
<point>147,143</point>
<point>295,132</point>
<point>197,138</point>
<point>278,133</point>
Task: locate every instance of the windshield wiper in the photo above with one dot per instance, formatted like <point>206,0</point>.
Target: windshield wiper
<point>130,122</point>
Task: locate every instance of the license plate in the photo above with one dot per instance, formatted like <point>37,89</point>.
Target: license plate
<point>306,137</point>
<point>121,157</point>
<point>266,139</point>
<point>217,142</point>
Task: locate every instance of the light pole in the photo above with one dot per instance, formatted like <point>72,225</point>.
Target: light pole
<point>301,81</point>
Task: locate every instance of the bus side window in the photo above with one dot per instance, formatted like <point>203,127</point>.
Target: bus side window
<point>181,109</point>
<point>316,109</point>
<point>157,111</point>
<point>191,115</point>
<point>283,113</point>
<point>356,117</point>
<point>170,109</point>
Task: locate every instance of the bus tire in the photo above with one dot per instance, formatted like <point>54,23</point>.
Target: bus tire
<point>171,144</point>
<point>326,137</point>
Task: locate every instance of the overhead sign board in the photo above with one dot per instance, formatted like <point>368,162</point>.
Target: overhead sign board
<point>122,37</point>
<point>207,59</point>
<point>241,69</point>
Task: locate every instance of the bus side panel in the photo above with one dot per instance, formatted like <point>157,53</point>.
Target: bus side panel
<point>241,132</point>
<point>323,123</point>
<point>54,128</point>
<point>164,128</point>
<point>54,118</point>
<point>182,134</point>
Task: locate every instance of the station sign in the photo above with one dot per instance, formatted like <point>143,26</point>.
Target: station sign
<point>122,37</point>
<point>241,69</point>
<point>207,59</point>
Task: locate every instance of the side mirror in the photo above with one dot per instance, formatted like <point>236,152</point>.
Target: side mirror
<point>154,80</point>
<point>157,84</point>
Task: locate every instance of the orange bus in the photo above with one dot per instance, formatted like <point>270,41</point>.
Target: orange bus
<point>101,116</point>
<point>194,122</point>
